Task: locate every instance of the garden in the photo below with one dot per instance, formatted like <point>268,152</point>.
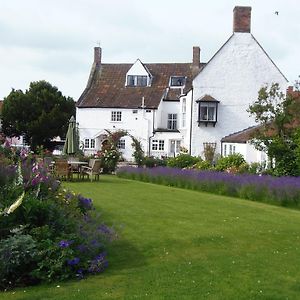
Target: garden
<point>190,235</point>
<point>47,233</point>
<point>183,244</point>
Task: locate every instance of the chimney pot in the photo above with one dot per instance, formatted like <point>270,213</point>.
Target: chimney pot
<point>242,19</point>
<point>196,56</point>
<point>97,55</point>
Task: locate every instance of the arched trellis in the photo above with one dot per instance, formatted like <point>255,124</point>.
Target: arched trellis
<point>114,137</point>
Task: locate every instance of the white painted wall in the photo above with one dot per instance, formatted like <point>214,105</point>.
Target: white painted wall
<point>233,77</point>
<point>165,108</point>
<point>185,131</point>
<point>94,121</point>
<point>248,151</point>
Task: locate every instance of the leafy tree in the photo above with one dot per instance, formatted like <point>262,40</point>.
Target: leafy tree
<point>278,135</point>
<point>39,114</point>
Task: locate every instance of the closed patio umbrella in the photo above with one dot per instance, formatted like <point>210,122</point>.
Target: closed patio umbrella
<point>71,143</point>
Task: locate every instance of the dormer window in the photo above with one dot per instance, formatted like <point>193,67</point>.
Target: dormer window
<point>177,81</point>
<point>137,80</point>
<point>207,110</point>
<point>138,75</point>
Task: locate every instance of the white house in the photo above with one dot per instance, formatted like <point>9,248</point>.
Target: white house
<point>174,105</point>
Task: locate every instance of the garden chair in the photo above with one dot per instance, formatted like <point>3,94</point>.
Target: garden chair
<point>75,168</point>
<point>94,169</point>
<point>62,170</point>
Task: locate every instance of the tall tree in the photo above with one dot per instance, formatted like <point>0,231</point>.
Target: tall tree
<point>278,115</point>
<point>39,114</point>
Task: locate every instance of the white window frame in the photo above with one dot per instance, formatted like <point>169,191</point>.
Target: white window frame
<point>158,145</point>
<point>89,143</point>
<point>137,80</point>
<point>121,144</point>
<point>172,122</point>
<point>183,113</point>
<point>116,116</point>
<point>92,143</point>
<point>179,78</point>
<point>207,106</point>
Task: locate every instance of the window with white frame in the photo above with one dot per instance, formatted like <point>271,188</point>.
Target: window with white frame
<point>208,111</point>
<point>225,150</point>
<point>137,80</point>
<point>121,144</point>
<point>89,143</point>
<point>183,113</point>
<point>231,149</point>
<point>172,121</point>
<point>177,81</point>
<point>158,145</point>
<point>92,143</point>
<point>116,116</point>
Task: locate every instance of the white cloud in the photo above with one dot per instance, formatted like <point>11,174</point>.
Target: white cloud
<point>54,40</point>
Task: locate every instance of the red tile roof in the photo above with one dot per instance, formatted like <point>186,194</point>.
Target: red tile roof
<point>106,87</point>
<point>242,136</point>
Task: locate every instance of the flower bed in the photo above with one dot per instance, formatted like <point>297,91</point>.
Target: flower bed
<point>283,191</point>
<point>46,233</point>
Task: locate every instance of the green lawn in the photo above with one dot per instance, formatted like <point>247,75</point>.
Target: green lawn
<point>181,244</point>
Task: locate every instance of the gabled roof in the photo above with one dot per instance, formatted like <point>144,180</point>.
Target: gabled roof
<point>242,136</point>
<point>260,46</point>
<point>207,98</point>
<point>106,87</point>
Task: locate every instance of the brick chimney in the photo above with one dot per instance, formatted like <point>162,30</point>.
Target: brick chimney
<point>196,57</point>
<point>242,19</point>
<point>97,55</point>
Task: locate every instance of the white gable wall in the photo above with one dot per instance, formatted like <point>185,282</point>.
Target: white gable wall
<point>233,77</point>
<point>139,70</point>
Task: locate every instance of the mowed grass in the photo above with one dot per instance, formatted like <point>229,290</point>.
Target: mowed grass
<point>182,244</point>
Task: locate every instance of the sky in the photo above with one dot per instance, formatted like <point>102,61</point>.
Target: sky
<point>53,40</point>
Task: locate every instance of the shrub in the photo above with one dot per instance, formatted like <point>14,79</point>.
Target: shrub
<point>182,161</point>
<point>203,165</point>
<point>46,232</point>
<point>18,256</point>
<point>230,161</point>
<point>151,162</point>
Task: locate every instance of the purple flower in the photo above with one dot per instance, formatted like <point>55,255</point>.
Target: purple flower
<point>64,244</point>
<point>98,264</point>
<point>74,261</point>
<point>85,203</point>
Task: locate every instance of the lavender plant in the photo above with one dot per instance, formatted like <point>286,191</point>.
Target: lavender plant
<point>283,191</point>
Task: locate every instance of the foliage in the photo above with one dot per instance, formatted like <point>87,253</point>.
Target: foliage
<point>151,162</point>
<point>39,114</point>
<point>46,232</point>
<point>203,165</point>
<point>182,161</point>
<point>200,244</point>
<point>283,191</point>
<point>138,153</point>
<point>209,152</point>
<point>278,116</point>
<point>110,154</point>
<point>17,256</point>
<point>231,161</point>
